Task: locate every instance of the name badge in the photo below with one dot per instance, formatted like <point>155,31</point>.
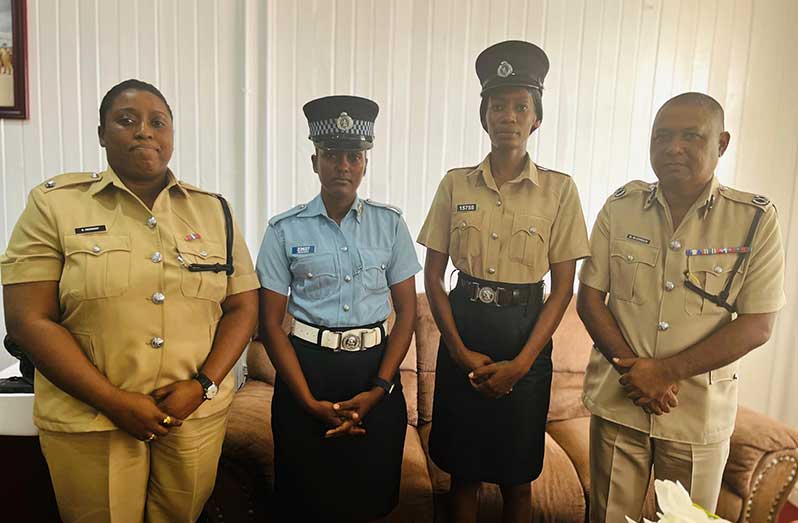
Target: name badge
<point>303,249</point>
<point>465,207</point>
<point>638,238</point>
<point>90,228</point>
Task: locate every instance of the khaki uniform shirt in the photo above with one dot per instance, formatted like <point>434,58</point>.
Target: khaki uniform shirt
<point>111,255</point>
<point>509,234</point>
<point>641,262</point>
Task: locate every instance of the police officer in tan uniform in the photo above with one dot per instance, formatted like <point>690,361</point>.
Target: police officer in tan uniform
<point>134,295</point>
<point>504,223</point>
<point>694,273</point>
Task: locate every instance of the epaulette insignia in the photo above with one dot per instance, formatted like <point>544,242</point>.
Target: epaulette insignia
<point>68,179</point>
<point>760,200</point>
<point>620,192</point>
<point>194,188</point>
<point>397,210</point>
<point>287,214</point>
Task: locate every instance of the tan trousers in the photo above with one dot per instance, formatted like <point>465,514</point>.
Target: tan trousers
<point>111,477</point>
<point>621,460</point>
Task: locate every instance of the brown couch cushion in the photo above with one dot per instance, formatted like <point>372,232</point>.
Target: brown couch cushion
<point>249,435</point>
<point>415,495</point>
<point>566,396</point>
<point>427,338</point>
<point>572,343</point>
<point>573,436</point>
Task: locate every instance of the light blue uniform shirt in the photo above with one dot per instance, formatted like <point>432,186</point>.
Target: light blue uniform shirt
<point>339,276</point>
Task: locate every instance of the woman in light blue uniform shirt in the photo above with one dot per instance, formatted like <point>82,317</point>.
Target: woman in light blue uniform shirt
<point>338,413</point>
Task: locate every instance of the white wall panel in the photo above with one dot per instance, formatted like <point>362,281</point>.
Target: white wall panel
<point>237,73</point>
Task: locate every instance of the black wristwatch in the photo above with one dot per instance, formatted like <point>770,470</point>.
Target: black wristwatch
<point>387,386</point>
<point>209,388</point>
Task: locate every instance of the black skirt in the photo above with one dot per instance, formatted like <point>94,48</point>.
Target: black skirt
<point>476,438</point>
<point>339,479</point>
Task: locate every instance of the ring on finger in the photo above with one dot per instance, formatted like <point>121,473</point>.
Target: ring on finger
<point>151,437</point>
<point>167,421</point>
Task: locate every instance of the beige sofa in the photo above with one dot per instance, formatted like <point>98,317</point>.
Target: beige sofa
<point>759,475</point>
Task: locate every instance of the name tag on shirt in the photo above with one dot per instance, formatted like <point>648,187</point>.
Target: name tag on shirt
<point>90,228</point>
<point>638,238</point>
<point>465,207</point>
<point>303,249</point>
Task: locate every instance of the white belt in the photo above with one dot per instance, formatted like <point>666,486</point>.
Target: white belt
<point>353,340</point>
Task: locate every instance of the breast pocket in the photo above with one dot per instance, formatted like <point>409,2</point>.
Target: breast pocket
<point>632,266</point>
<point>711,273</point>
<point>375,265</point>
<point>205,285</point>
<point>314,276</point>
<point>465,239</point>
<point>96,266</point>
<point>529,243</point>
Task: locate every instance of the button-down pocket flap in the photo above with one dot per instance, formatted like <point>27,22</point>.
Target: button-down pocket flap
<point>375,258</point>
<point>727,373</point>
<point>717,266</point>
<point>313,265</point>
<point>95,245</point>
<point>633,252</point>
<point>533,226</point>
<point>201,248</point>
<point>468,220</point>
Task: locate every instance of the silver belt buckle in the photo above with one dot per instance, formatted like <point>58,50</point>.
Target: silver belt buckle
<point>486,295</point>
<point>352,342</point>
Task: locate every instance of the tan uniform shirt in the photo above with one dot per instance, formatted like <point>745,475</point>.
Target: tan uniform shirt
<point>111,256</point>
<point>640,261</point>
<point>509,234</point>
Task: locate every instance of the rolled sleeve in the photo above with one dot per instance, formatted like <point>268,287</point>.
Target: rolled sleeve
<point>569,232</point>
<point>763,288</point>
<point>595,271</point>
<point>273,264</point>
<point>435,231</point>
<point>404,262</point>
<point>243,278</point>
<point>34,251</point>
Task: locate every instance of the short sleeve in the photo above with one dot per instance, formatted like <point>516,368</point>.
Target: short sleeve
<point>243,278</point>
<point>34,251</point>
<point>273,265</point>
<point>595,271</point>
<point>404,262</point>
<point>763,287</point>
<point>435,231</point>
<point>569,232</point>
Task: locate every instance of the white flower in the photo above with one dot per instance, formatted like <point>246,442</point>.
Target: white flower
<point>677,507</point>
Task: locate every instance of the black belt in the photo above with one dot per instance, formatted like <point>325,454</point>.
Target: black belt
<point>500,294</point>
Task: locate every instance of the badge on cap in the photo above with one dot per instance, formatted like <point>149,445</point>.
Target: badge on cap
<point>344,122</point>
<point>505,69</point>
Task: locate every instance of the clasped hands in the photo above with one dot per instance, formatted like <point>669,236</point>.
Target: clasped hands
<point>345,418</point>
<point>648,383</point>
<point>492,379</point>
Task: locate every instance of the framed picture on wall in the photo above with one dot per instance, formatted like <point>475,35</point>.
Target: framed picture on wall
<point>13,59</point>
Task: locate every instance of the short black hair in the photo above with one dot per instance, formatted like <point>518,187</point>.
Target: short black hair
<point>537,100</point>
<point>111,96</point>
<point>702,100</point>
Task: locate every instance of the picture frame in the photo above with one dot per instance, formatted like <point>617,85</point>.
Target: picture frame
<point>13,59</point>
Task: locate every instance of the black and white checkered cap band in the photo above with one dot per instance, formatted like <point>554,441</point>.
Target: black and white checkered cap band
<point>322,128</point>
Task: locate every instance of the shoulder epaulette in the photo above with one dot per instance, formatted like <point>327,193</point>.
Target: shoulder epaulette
<point>70,179</point>
<point>631,187</point>
<point>756,200</point>
<point>287,214</point>
<point>371,202</point>
<point>466,169</point>
<point>546,169</point>
<point>187,186</point>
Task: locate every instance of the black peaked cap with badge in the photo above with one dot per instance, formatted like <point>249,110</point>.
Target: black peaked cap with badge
<point>513,63</point>
<point>342,123</point>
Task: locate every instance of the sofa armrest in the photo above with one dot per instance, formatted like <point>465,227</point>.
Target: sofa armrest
<point>763,465</point>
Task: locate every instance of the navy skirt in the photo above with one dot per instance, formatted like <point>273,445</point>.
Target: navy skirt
<point>340,479</point>
<point>476,438</point>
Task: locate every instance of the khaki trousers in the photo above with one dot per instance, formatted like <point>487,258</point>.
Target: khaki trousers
<point>621,461</point>
<point>111,477</point>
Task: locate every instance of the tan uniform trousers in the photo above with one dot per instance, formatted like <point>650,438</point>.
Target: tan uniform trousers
<point>111,477</point>
<point>621,460</point>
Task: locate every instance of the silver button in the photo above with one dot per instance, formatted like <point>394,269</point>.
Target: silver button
<point>498,203</point>
<point>156,342</point>
<point>676,245</point>
<point>718,269</point>
<point>346,308</point>
<point>310,276</point>
<point>347,278</point>
<point>663,326</point>
<point>463,224</point>
<point>491,270</point>
<point>533,230</point>
<point>494,236</point>
<point>158,298</point>
<point>96,249</point>
<point>151,222</point>
<point>94,175</point>
<point>156,257</point>
<point>50,184</point>
<point>669,286</point>
<point>630,258</point>
<point>382,266</point>
<point>203,254</point>
<point>344,248</point>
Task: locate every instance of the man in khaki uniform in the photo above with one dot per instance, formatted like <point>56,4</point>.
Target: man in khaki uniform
<point>679,259</point>
<point>134,309</point>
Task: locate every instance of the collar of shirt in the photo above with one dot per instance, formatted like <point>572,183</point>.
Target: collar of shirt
<point>109,177</point>
<point>316,208</point>
<point>706,200</point>
<point>484,176</point>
